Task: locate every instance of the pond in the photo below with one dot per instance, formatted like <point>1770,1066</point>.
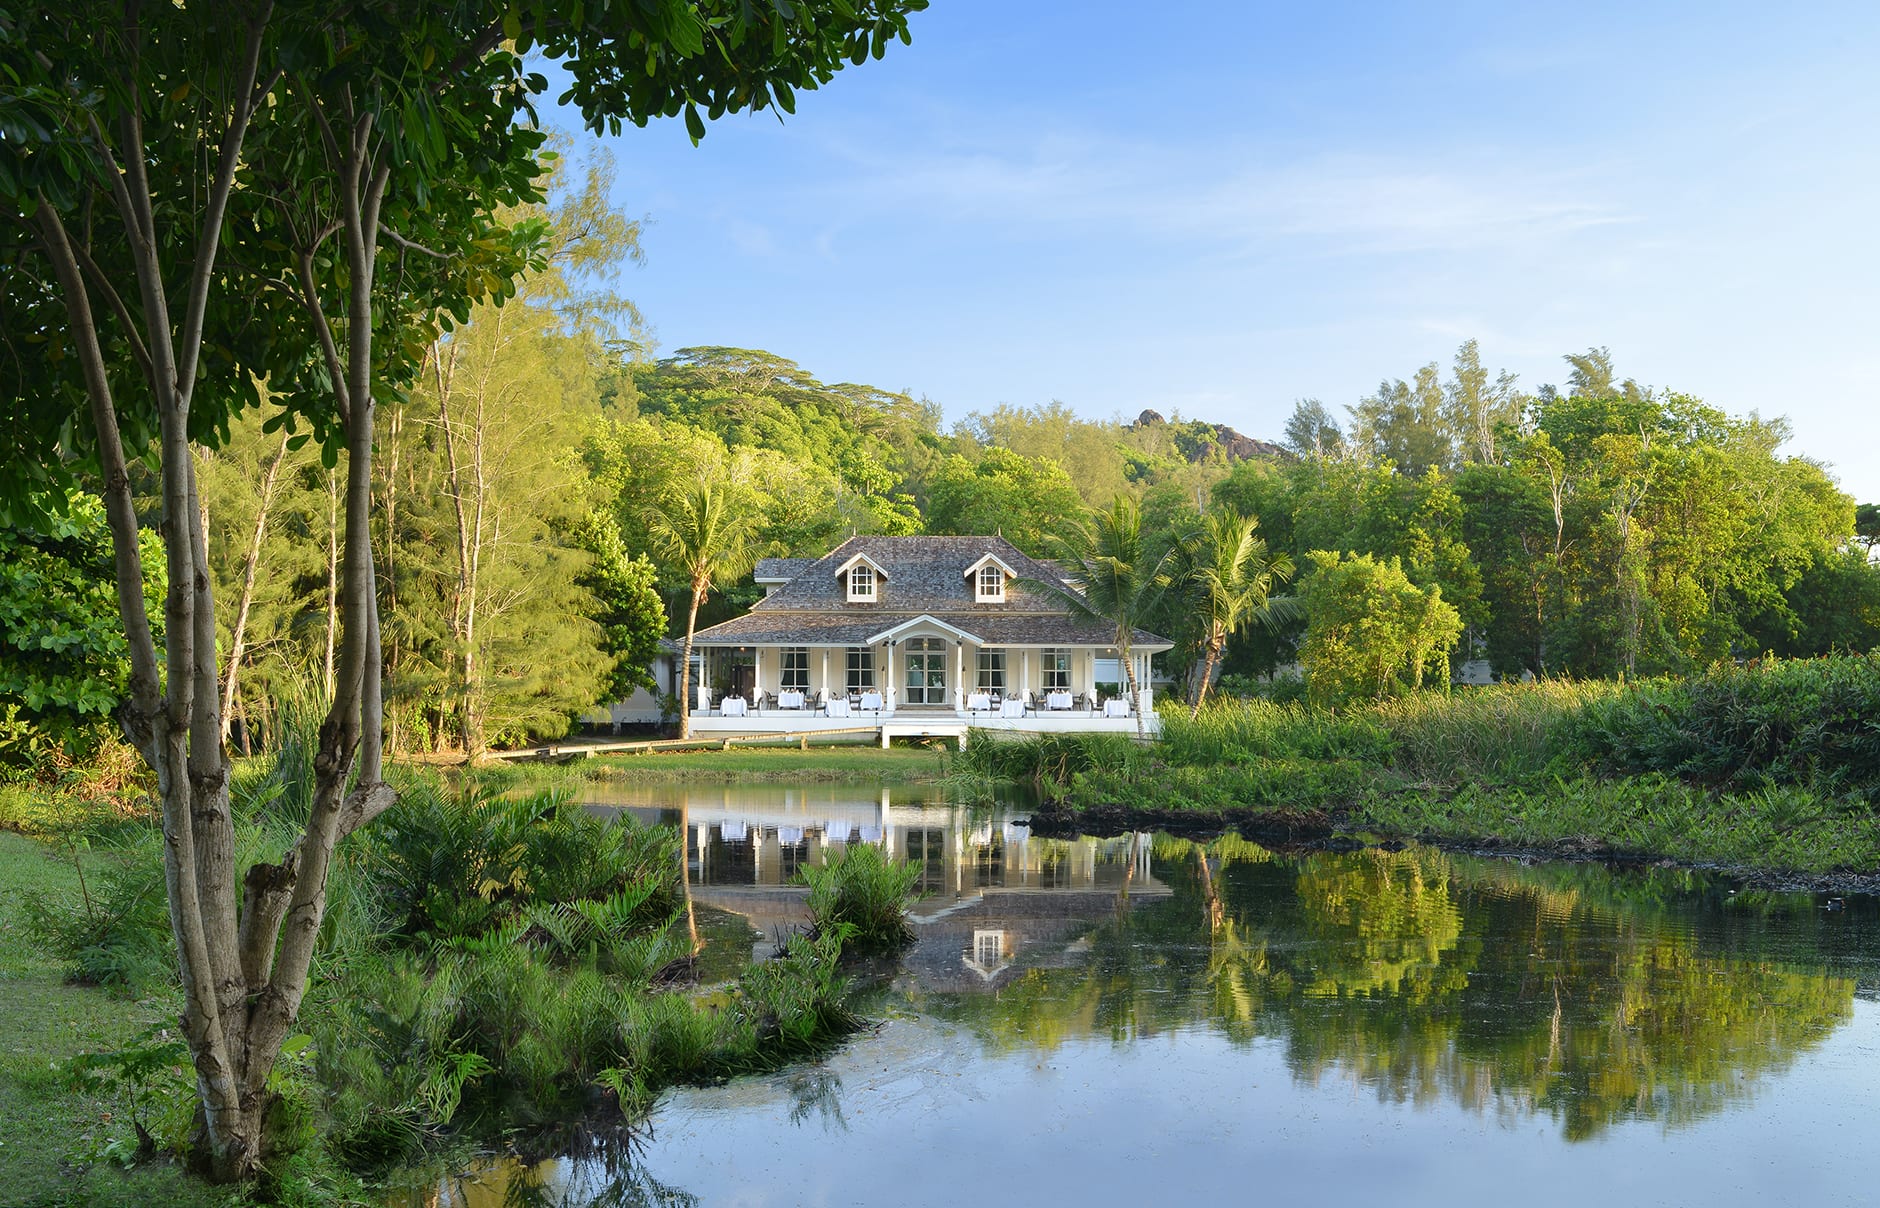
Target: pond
<point>1147,1019</point>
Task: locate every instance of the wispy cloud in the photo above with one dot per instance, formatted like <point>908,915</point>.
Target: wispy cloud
<point>1238,202</point>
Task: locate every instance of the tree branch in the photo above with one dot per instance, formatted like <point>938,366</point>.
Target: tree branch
<point>103,284</point>
<point>329,349</point>
<point>409,245</point>
<point>202,274</point>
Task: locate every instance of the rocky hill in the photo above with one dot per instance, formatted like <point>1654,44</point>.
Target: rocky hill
<point>1236,446</point>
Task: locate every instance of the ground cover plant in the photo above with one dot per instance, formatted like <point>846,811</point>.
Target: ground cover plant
<point>1772,766</point>
<point>492,961</point>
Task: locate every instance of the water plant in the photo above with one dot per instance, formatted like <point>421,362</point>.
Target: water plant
<point>859,896</point>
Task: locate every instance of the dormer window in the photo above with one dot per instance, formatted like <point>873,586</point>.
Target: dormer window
<point>991,581</point>
<point>862,582</point>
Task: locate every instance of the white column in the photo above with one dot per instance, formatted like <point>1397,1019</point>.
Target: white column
<point>959,675</point>
<point>824,687</point>
<point>888,699</point>
<point>757,673</point>
<point>1024,672</point>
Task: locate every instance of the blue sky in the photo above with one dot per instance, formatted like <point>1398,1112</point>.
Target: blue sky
<point>1218,209</point>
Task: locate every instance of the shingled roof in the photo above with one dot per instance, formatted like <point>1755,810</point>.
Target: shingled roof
<point>920,576</point>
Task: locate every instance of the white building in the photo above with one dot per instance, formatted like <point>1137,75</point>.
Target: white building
<point>919,635</point>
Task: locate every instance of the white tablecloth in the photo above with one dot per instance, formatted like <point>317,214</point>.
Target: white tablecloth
<point>1116,708</point>
<point>871,700</point>
<point>789,700</point>
<point>1058,700</point>
<point>1012,708</point>
<point>731,706</point>
<point>839,707</point>
<point>979,702</point>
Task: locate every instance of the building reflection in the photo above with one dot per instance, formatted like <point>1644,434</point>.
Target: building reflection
<point>995,899</point>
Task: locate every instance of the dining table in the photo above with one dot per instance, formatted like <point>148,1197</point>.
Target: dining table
<point>1012,708</point>
<point>838,706</point>
<point>979,702</point>
<point>1057,700</point>
<point>872,702</point>
<point>1116,708</point>
<point>790,699</point>
<point>732,706</point>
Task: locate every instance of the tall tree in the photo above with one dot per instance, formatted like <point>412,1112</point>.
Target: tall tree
<point>139,138</point>
<point>708,529</point>
<point>1478,410</point>
<point>1312,431</point>
<point>1023,499</point>
<point>1406,423</point>
<point>1228,575</point>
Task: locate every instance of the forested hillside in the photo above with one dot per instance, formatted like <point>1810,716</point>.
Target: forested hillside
<point>1597,528</point>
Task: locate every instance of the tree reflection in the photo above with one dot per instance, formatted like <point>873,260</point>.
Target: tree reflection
<point>1423,977</point>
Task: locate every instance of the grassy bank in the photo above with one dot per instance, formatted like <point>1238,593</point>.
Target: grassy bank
<point>1773,767</point>
<point>57,1143</point>
<point>493,963</point>
<point>825,764</point>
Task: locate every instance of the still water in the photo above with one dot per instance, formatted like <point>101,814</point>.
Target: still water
<point>1147,1020</point>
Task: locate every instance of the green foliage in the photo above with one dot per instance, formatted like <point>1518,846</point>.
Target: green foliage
<point>443,867</point>
<point>630,613</point>
<point>860,896</point>
<point>1370,632</point>
<point>1027,500</point>
<point>64,660</point>
<point>1805,723</point>
<point>115,931</point>
<point>1050,762</point>
<point>1226,576</point>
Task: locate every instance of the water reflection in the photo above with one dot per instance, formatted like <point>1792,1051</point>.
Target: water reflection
<point>1573,995</point>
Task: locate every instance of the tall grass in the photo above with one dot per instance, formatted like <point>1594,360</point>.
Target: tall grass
<point>1047,761</point>
<point>1501,732</point>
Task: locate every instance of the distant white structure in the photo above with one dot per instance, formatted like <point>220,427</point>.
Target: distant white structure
<point>643,707</point>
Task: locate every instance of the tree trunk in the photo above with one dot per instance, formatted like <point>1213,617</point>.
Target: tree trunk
<point>240,632</point>
<point>394,441</point>
<point>685,665</point>
<point>332,580</point>
<point>1135,690</point>
<point>236,1005</point>
<point>1215,643</point>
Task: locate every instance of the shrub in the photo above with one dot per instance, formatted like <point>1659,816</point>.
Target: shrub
<point>860,897</point>
<point>1799,722</point>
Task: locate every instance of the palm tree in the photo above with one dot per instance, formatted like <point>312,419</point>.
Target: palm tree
<point>1114,577</point>
<point>708,531</point>
<point>1228,574</point>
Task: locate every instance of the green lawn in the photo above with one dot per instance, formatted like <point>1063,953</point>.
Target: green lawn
<point>898,765</point>
<point>49,1134</point>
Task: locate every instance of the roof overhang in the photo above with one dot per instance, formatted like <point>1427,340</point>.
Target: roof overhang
<point>925,620</point>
